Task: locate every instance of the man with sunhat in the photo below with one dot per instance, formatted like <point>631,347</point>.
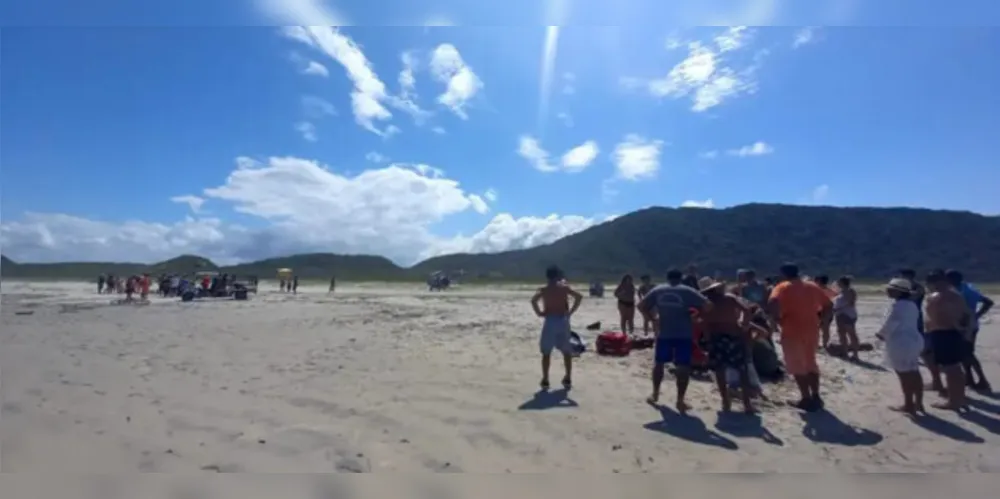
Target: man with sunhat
<point>726,326</point>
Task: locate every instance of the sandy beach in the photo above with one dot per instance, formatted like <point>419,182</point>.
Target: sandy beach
<point>394,378</point>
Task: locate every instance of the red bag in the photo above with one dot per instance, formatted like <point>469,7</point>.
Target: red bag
<point>613,343</point>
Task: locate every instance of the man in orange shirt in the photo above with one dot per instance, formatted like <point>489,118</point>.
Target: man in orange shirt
<point>800,308</point>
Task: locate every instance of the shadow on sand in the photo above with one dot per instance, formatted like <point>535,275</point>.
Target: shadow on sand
<point>987,423</point>
<point>687,427</point>
<point>545,399</point>
<point>985,406</point>
<point>745,426</point>
<point>945,428</point>
<point>826,428</point>
<point>867,365</point>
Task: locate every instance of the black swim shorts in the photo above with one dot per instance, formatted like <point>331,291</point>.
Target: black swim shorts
<point>725,350</point>
<point>948,346</point>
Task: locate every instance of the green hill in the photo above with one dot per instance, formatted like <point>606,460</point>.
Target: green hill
<point>323,266</point>
<point>864,242</point>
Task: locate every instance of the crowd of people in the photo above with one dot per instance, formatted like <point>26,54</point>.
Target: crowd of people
<point>128,286</point>
<point>935,323</point>
<point>168,285</point>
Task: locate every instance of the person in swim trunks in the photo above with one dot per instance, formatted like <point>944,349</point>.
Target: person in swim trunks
<point>551,302</point>
<point>845,316</point>
<point>726,324</point>
<point>794,304</point>
<point>625,293</point>
<point>979,305</point>
<point>671,304</point>
<point>644,289</point>
<point>948,321</point>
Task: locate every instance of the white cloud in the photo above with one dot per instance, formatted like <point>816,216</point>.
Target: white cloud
<point>708,155</point>
<point>308,131</point>
<point>580,157</point>
<point>698,204</point>
<point>637,158</point>
<point>732,39</point>
<point>529,149</point>
<point>704,75</point>
<point>566,119</point>
<point>491,195</point>
<point>755,149</point>
<point>407,81</point>
<point>820,193</point>
<point>462,84</point>
<point>369,92</point>
<point>505,232</point>
<point>301,12</point>
<point>439,130</point>
<point>479,204</point>
<point>569,83</point>
<point>375,157</point>
<point>193,202</point>
<point>307,66</point>
<point>316,108</point>
<point>302,206</point>
<point>804,36</point>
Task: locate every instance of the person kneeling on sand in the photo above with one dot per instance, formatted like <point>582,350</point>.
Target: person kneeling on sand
<point>904,344</point>
<point>551,302</point>
<point>727,325</point>
<point>948,321</point>
<point>671,304</point>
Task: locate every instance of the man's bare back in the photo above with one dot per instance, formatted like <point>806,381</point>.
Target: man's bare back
<point>726,315</point>
<point>946,310</point>
<point>554,299</point>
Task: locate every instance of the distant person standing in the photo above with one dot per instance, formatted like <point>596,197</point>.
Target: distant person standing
<point>295,284</point>
<point>281,284</point>
<point>799,307</point>
<point>551,302</point>
<point>100,284</point>
<point>979,306</point>
<point>904,344</point>
<point>144,283</point>
<point>333,284</point>
<point>823,281</point>
<point>644,289</point>
<point>625,293</point>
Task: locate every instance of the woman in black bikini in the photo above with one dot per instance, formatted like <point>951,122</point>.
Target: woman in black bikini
<point>625,292</point>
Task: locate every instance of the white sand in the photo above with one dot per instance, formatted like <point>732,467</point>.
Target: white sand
<point>393,378</point>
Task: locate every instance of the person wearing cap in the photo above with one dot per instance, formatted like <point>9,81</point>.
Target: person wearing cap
<point>726,326</point>
<point>904,344</point>
<point>799,307</point>
<point>979,305</point>
<point>948,319</point>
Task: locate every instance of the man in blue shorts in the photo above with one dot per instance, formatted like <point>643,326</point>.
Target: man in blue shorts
<point>671,305</point>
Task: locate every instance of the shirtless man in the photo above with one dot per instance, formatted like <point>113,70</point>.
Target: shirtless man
<point>726,325</point>
<point>644,289</point>
<point>551,302</point>
<point>948,321</point>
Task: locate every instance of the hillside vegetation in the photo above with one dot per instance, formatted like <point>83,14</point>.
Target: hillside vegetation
<point>864,242</point>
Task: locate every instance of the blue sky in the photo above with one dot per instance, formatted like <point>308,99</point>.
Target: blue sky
<point>237,143</point>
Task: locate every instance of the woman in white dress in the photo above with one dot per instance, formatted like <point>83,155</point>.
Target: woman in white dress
<point>904,344</point>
